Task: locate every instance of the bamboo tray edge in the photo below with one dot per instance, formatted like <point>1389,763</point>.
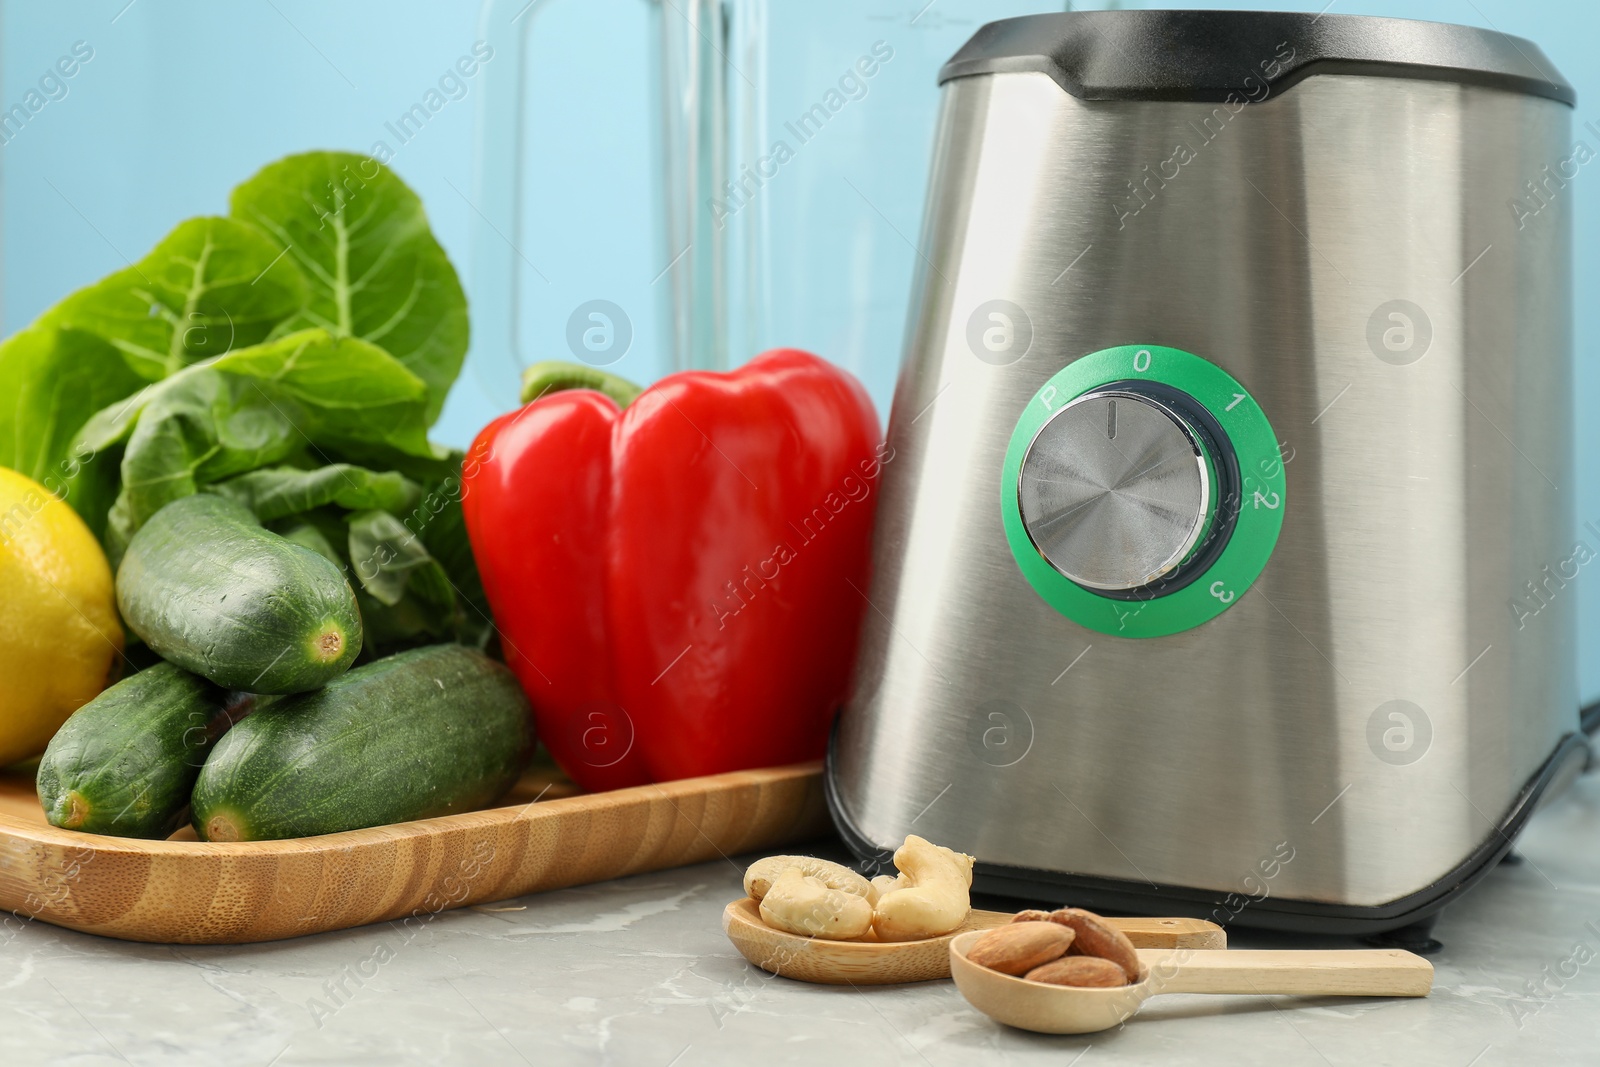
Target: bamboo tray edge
<point>196,892</point>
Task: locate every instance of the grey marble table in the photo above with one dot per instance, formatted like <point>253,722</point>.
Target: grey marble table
<point>637,971</point>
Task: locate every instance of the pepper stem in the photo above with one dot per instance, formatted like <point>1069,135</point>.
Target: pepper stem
<point>552,376</point>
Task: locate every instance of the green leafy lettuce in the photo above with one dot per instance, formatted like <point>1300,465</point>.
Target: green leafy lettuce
<point>211,286</point>
<point>291,356</point>
<point>372,266</point>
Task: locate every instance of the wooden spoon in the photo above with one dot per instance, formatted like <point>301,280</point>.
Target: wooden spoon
<point>815,959</point>
<point>1053,1009</point>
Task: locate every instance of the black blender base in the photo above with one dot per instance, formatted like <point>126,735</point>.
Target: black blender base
<point>1115,896</point>
<point>1418,937</point>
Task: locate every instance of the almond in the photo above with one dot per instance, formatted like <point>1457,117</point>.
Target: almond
<point>1032,915</point>
<point>1020,947</point>
<point>1096,937</point>
<point>1089,972</point>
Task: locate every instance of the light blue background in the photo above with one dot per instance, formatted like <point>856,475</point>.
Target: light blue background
<point>184,98</point>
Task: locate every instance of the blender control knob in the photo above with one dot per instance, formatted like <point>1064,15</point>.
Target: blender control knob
<point>1119,488</point>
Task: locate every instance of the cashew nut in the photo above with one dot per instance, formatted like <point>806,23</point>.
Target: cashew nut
<point>934,899</point>
<point>805,905</point>
<point>762,873</point>
<point>884,883</point>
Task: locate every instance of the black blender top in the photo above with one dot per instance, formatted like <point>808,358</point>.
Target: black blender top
<point>1210,55</point>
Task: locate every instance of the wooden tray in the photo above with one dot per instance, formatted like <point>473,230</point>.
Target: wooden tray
<point>549,836</point>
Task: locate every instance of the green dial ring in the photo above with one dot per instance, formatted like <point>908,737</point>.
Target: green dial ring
<point>1262,492</point>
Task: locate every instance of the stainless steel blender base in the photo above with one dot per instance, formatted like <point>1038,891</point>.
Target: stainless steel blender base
<point>1120,896</point>
<point>1391,690</point>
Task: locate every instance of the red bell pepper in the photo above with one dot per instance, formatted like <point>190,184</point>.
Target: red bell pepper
<point>678,574</point>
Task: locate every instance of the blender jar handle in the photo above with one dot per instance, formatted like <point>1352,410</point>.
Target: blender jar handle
<point>690,154</point>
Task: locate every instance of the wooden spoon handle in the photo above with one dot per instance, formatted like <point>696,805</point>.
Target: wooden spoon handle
<point>1371,972</point>
<point>1171,933</point>
<point>1143,932</point>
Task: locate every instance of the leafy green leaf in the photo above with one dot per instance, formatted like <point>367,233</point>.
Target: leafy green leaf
<point>201,428</point>
<point>276,492</point>
<point>307,532</point>
<point>449,587</point>
<point>211,285</point>
<point>424,470</point>
<point>51,382</point>
<point>366,400</point>
<point>114,423</point>
<point>445,533</point>
<point>404,593</point>
<point>376,272</point>
<point>391,628</point>
<point>259,406</point>
<point>361,395</point>
<point>291,356</point>
<point>386,558</point>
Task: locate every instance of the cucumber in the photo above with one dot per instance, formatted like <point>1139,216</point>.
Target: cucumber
<point>428,732</point>
<point>124,763</point>
<point>207,587</point>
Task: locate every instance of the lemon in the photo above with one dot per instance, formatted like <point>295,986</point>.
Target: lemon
<point>60,641</point>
